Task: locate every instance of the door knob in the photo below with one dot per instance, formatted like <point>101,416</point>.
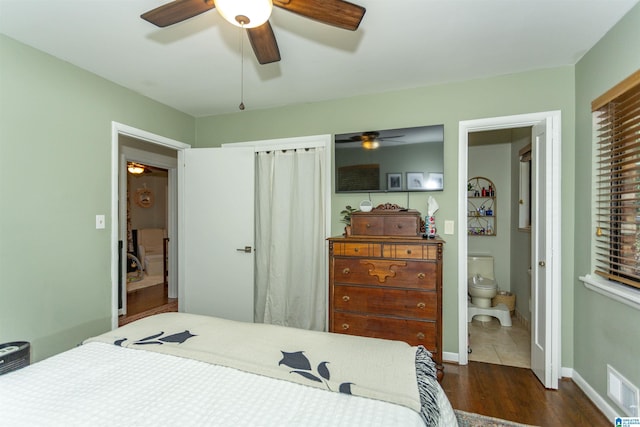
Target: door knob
<point>542,263</point>
<point>246,249</point>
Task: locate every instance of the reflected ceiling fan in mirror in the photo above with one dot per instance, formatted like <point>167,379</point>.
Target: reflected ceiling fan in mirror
<point>368,140</point>
<point>253,15</point>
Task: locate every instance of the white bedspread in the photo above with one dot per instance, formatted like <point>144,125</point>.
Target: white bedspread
<point>375,368</point>
<point>100,384</point>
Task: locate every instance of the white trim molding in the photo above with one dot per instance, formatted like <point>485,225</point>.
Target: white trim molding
<point>613,290</point>
<point>450,357</point>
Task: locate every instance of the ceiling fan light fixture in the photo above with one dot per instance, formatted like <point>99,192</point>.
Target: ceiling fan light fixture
<point>370,144</point>
<point>245,13</point>
<point>135,169</point>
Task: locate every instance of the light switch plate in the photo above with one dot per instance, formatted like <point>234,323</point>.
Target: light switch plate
<point>448,227</point>
<point>99,222</point>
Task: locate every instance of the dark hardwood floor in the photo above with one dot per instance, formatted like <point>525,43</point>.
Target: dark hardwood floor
<point>515,394</point>
<point>148,301</point>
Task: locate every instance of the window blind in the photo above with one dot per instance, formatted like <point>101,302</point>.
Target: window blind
<point>617,119</point>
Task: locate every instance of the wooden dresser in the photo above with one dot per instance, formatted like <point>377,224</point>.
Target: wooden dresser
<point>387,287</point>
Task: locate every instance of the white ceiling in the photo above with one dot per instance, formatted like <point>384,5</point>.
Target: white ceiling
<point>195,66</point>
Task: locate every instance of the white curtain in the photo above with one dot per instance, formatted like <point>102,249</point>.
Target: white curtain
<point>290,238</point>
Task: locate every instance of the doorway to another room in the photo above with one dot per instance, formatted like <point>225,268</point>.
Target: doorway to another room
<point>145,213</point>
<point>146,243</point>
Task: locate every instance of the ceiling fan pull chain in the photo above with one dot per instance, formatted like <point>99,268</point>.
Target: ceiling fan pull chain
<point>241,106</point>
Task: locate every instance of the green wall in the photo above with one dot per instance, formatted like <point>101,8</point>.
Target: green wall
<point>55,176</point>
<point>542,90</point>
<point>606,332</point>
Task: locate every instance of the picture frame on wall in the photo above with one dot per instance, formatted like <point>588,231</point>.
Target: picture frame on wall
<point>434,181</point>
<point>394,182</point>
<point>415,181</point>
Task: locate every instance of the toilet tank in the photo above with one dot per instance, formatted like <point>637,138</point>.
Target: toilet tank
<point>480,264</point>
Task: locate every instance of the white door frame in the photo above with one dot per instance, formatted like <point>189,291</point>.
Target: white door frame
<point>554,169</point>
<point>118,129</point>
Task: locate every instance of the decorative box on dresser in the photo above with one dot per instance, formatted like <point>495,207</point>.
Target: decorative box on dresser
<point>388,287</point>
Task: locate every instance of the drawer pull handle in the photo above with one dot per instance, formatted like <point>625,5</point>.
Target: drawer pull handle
<point>346,271</point>
<point>346,298</point>
<point>368,225</point>
<point>345,326</point>
<point>419,335</point>
<point>399,225</point>
<point>421,305</point>
<point>420,275</point>
<point>356,250</point>
<point>408,251</point>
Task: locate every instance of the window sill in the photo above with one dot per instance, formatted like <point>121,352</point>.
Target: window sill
<point>612,290</point>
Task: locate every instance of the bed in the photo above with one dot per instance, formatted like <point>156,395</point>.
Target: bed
<point>177,369</point>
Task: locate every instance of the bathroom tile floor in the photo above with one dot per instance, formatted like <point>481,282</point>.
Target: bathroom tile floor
<point>492,343</point>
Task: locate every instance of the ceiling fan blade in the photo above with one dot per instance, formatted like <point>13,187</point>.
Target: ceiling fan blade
<point>264,43</point>
<point>177,11</point>
<point>338,13</point>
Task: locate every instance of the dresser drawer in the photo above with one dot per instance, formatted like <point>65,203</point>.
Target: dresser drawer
<point>367,226</point>
<point>402,226</point>
<point>379,300</point>
<point>362,249</point>
<point>413,332</point>
<point>386,223</point>
<point>410,251</point>
<point>383,272</point>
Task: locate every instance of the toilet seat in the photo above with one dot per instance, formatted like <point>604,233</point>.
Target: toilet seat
<point>491,284</point>
<point>483,283</point>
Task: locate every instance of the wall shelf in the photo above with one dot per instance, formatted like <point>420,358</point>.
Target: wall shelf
<point>481,207</point>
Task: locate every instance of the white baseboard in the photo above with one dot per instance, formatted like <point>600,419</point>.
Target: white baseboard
<point>593,395</point>
<point>566,372</point>
<point>450,357</point>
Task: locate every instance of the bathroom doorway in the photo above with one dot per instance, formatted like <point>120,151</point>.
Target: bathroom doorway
<point>546,244</point>
<point>497,234</point>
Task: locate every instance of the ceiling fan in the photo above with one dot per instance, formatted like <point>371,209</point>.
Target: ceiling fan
<point>369,140</point>
<point>337,13</point>
<point>137,169</point>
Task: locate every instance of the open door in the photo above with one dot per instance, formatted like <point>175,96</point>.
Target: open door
<point>217,216</point>
<point>542,262</point>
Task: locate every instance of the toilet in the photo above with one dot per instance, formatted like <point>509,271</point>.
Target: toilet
<point>482,287</point>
